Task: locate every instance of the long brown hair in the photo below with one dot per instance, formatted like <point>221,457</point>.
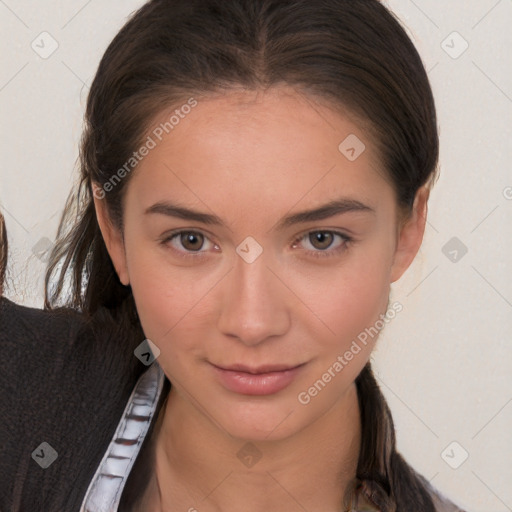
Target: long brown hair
<point>353,53</point>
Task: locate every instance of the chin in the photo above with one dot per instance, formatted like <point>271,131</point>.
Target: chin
<point>259,421</point>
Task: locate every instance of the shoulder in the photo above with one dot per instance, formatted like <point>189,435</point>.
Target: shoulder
<point>23,327</point>
<point>64,381</point>
<point>40,346</point>
<point>34,344</point>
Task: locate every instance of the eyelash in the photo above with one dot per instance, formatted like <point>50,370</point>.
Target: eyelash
<point>347,240</point>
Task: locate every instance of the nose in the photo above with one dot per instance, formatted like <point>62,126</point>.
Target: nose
<point>254,303</point>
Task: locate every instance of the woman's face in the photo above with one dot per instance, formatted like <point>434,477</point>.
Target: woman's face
<point>249,281</point>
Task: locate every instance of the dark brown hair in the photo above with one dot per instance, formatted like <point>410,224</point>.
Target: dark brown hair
<point>352,53</point>
<point>3,252</point>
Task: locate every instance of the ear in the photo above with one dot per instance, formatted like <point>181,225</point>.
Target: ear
<point>410,234</point>
<point>111,235</point>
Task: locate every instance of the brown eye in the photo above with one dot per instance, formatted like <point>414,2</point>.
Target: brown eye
<point>189,244</point>
<point>319,244</point>
<point>191,241</point>
<point>321,239</point>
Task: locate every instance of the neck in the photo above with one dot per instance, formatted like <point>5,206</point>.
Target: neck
<point>197,466</point>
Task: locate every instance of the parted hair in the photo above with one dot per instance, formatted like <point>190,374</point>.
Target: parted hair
<point>354,54</point>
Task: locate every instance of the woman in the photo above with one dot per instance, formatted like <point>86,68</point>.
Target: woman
<point>254,176</point>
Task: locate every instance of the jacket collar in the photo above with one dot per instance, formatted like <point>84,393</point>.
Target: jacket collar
<point>106,487</point>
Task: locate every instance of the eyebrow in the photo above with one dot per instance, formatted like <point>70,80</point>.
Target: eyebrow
<point>330,209</point>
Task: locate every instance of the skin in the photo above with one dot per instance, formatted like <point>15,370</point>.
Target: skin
<point>251,158</point>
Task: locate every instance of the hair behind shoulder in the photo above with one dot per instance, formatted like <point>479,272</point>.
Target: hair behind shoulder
<point>3,252</point>
<point>387,479</point>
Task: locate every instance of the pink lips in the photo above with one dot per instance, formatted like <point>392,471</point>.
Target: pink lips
<point>264,380</point>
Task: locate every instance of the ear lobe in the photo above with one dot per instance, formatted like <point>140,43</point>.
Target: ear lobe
<point>410,235</point>
<point>111,235</point>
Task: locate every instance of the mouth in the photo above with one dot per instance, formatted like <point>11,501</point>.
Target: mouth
<point>268,368</point>
<point>261,380</point>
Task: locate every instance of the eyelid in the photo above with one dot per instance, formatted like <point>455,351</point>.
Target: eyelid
<point>347,239</point>
<point>167,238</point>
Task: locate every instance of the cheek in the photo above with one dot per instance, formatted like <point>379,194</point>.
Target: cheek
<point>349,297</point>
<point>351,306</point>
<point>165,295</point>
<point>364,298</point>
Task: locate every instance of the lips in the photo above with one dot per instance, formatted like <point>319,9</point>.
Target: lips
<point>261,380</point>
<point>268,368</point>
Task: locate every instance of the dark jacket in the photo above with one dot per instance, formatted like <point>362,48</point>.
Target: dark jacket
<point>78,410</point>
<point>64,382</point>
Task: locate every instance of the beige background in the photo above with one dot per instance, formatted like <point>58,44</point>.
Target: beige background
<point>445,361</point>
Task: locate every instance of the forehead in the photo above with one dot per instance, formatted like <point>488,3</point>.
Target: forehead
<point>252,148</point>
